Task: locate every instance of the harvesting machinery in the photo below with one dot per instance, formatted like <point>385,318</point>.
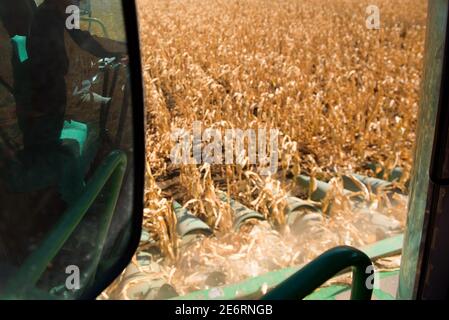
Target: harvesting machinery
<point>72,170</point>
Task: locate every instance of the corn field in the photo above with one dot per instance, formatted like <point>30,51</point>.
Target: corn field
<point>341,95</point>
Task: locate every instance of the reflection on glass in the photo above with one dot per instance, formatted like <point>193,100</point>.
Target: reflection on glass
<point>65,120</point>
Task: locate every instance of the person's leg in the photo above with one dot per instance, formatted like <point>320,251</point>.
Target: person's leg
<point>43,123</point>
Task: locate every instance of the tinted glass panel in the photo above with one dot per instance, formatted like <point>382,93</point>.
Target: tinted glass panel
<point>66,145</point>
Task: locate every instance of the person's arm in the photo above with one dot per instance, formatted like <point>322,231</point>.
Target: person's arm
<point>86,42</point>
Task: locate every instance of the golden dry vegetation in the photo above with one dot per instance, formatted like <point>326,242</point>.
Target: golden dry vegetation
<point>342,96</point>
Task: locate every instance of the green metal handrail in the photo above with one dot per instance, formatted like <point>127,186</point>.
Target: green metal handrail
<point>250,288</point>
<point>111,171</point>
<point>95,20</point>
<point>322,269</point>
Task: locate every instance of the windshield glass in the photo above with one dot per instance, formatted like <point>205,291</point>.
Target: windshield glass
<point>276,130</point>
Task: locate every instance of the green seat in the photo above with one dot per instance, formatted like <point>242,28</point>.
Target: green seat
<point>83,140</point>
<point>77,131</point>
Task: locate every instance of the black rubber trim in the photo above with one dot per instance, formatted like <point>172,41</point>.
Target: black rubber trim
<point>431,252</point>
<point>137,96</point>
<point>442,124</point>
